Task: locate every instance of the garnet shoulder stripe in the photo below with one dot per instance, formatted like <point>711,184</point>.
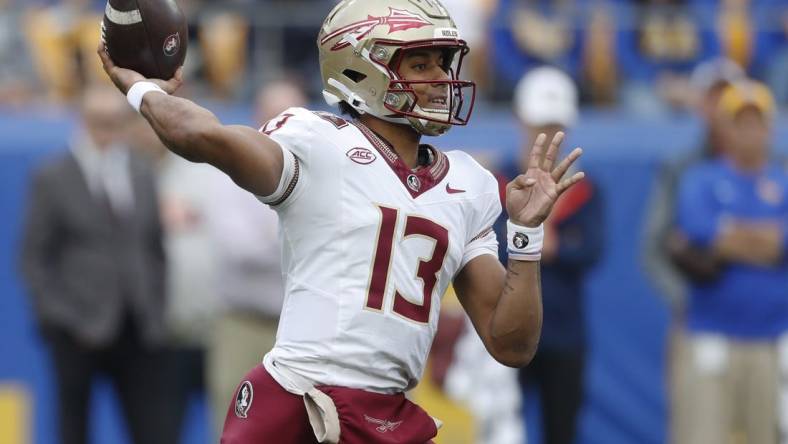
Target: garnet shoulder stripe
<point>291,186</point>
<point>482,234</point>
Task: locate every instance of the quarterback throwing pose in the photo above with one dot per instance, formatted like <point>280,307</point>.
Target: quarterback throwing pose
<point>374,226</point>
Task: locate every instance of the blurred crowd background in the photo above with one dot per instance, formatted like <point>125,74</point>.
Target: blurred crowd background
<point>654,91</point>
<point>636,54</point>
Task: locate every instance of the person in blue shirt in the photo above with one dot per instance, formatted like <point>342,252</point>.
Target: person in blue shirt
<point>734,207</point>
<point>546,102</point>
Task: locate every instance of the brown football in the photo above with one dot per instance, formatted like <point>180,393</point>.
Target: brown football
<point>147,36</point>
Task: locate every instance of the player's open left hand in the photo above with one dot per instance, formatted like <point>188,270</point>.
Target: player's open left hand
<point>124,78</point>
<point>530,197</point>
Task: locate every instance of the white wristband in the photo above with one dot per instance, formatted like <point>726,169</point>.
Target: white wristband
<point>138,91</point>
<point>524,243</point>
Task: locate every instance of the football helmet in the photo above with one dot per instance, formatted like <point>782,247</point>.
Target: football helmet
<point>361,46</point>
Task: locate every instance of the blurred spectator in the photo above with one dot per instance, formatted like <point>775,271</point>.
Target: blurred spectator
<point>753,34</point>
<point>599,74</point>
<point>472,18</point>
<point>464,420</point>
<point>735,31</point>
<point>16,76</point>
<point>546,102</point>
<point>489,389</point>
<point>668,263</point>
<point>93,261</point>
<point>529,33</point>
<point>668,32</point>
<point>186,196</point>
<point>63,38</point>
<point>223,37</point>
<point>775,67</point>
<point>735,208</point>
<point>246,42</point>
<point>276,97</point>
<point>659,52</point>
<point>249,271</point>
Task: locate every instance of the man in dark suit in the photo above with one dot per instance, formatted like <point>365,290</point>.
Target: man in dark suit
<point>93,262</point>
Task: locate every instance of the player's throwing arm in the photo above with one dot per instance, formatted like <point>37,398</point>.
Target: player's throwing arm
<point>195,134</point>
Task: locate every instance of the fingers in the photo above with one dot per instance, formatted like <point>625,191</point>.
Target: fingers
<point>521,182</point>
<point>176,81</point>
<point>102,53</point>
<point>170,86</point>
<point>568,182</point>
<point>124,78</point>
<point>565,164</point>
<point>105,60</point>
<point>537,151</point>
<point>552,151</point>
<point>109,67</point>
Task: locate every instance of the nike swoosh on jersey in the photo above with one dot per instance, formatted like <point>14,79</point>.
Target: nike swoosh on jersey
<point>451,190</point>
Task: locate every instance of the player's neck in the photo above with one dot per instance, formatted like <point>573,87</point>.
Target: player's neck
<point>404,139</point>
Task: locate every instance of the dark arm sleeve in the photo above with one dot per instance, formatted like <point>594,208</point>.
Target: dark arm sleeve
<point>659,222</point>
<point>582,247</point>
<point>158,254</point>
<point>41,240</point>
<point>698,221</point>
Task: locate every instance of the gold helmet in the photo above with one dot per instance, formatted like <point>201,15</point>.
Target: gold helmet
<point>362,43</point>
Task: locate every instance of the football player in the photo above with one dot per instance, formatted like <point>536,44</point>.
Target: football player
<point>374,225</point>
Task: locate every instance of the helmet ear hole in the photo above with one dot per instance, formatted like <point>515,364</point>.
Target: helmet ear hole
<point>354,75</point>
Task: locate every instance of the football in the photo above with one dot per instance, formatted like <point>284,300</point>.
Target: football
<point>147,36</point>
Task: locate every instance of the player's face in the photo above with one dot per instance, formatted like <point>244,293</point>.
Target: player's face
<point>428,64</point>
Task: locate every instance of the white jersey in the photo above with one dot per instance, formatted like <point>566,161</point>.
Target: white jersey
<point>369,248</point>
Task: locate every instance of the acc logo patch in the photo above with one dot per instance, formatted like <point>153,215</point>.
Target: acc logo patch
<point>361,156</point>
<point>243,399</point>
<point>172,44</point>
<point>520,241</point>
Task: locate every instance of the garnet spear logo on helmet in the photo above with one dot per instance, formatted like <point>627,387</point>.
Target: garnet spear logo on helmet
<point>397,20</point>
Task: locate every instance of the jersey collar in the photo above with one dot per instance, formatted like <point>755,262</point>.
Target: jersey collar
<point>418,181</point>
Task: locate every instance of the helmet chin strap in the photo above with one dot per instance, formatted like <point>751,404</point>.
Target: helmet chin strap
<point>352,98</point>
<point>421,125</point>
<point>429,127</point>
<point>402,120</point>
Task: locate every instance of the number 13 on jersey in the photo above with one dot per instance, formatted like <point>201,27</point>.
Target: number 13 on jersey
<point>427,271</point>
